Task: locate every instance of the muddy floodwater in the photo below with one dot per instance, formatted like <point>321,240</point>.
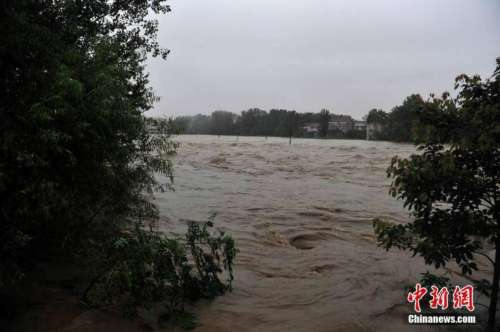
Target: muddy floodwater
<point>301,215</point>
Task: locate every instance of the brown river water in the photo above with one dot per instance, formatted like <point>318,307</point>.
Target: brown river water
<point>301,215</point>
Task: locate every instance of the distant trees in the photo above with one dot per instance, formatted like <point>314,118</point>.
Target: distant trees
<point>277,123</point>
<point>400,124</point>
<point>402,120</point>
<point>292,120</point>
<point>200,124</point>
<point>324,119</point>
<point>258,122</point>
<point>452,187</point>
<point>180,124</point>
<point>253,123</point>
<point>283,123</point>
<point>222,123</point>
<point>377,116</point>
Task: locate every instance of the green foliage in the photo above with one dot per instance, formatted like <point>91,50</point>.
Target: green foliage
<point>483,286</point>
<point>428,280</point>
<point>143,268</point>
<point>223,122</point>
<point>452,190</point>
<point>402,120</point>
<point>401,123</point>
<point>390,235</point>
<point>75,159</point>
<point>209,254</point>
<point>252,122</point>
<point>183,319</point>
<point>77,163</point>
<point>377,116</point>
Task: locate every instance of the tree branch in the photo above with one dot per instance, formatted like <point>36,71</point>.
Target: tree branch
<point>487,257</point>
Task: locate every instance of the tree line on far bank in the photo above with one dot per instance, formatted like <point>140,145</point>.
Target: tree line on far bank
<point>400,124</point>
<point>258,122</point>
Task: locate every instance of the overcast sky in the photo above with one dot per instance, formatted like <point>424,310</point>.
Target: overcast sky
<point>345,55</point>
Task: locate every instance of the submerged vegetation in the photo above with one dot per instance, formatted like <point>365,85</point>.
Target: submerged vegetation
<point>77,165</point>
<point>144,268</point>
<point>453,187</point>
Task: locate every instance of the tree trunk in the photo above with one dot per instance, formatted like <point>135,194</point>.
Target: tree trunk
<point>494,288</point>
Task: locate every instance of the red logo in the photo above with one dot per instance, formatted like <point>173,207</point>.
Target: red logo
<point>439,298</point>
<point>463,297</point>
<point>416,296</point>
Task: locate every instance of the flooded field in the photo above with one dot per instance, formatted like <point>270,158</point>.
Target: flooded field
<point>302,218</point>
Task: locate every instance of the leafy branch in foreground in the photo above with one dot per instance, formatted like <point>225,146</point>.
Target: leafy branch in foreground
<point>452,188</point>
<point>144,268</point>
<point>76,162</point>
<point>78,166</point>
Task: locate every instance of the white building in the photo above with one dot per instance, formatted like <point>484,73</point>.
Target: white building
<point>346,125</point>
<point>372,129</point>
<point>311,129</point>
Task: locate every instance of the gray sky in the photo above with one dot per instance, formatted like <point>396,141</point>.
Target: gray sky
<point>345,55</point>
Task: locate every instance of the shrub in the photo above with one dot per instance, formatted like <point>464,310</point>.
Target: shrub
<point>143,268</point>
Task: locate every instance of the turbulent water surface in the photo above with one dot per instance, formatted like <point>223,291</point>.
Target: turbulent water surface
<point>302,218</point>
